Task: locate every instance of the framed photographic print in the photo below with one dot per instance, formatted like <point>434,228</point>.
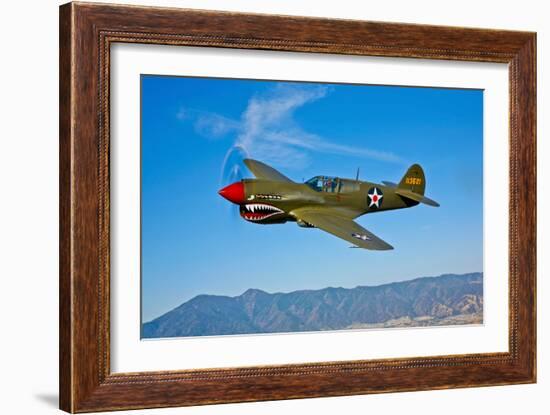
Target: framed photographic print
<point>258,207</point>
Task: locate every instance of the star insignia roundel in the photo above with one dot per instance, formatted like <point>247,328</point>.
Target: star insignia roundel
<point>375,196</point>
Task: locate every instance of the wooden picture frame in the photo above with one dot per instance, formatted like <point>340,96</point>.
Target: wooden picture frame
<point>86,33</point>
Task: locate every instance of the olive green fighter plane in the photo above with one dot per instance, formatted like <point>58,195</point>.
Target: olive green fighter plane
<point>327,203</point>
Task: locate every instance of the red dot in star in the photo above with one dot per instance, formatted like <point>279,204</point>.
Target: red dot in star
<point>375,198</point>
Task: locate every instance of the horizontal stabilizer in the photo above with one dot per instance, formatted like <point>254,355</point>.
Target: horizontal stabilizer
<point>416,197</point>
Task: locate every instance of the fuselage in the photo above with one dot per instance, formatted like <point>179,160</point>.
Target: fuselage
<point>268,202</point>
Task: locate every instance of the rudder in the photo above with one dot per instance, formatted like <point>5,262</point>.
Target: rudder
<point>413,180</point>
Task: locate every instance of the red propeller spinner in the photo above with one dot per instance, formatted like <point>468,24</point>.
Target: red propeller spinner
<point>234,193</point>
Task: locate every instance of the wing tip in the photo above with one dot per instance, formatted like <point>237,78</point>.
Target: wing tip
<point>380,246</point>
<point>250,162</point>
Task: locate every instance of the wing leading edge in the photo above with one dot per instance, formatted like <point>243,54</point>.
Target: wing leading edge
<point>345,228</point>
<point>263,171</point>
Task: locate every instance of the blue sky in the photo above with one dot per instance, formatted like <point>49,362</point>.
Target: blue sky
<point>194,129</point>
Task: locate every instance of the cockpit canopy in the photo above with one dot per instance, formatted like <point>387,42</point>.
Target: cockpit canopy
<point>323,184</point>
<point>332,184</point>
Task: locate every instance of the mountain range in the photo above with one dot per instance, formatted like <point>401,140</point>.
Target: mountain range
<point>446,299</point>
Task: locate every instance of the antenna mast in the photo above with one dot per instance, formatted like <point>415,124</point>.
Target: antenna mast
<point>357,175</point>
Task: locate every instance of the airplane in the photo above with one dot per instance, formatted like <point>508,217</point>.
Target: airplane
<point>328,203</point>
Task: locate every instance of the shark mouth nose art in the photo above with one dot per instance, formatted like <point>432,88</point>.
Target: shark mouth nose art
<point>258,211</point>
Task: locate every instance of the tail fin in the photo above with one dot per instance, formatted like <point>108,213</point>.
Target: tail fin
<point>412,186</point>
<point>413,180</point>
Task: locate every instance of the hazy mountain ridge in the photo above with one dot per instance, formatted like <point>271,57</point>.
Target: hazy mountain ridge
<point>256,311</point>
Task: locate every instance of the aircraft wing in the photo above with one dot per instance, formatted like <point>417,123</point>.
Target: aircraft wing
<point>345,228</point>
<point>263,171</point>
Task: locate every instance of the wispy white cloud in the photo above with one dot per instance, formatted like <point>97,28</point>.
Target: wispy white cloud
<point>215,126</point>
<point>208,124</point>
<point>267,130</point>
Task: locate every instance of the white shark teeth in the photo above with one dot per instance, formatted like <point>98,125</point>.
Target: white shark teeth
<point>261,209</point>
